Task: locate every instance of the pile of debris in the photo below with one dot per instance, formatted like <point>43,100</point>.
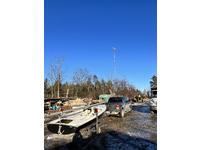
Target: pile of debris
<point>77,102</point>
<point>62,104</point>
<point>80,102</point>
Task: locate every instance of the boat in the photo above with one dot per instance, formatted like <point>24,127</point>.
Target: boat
<point>70,122</point>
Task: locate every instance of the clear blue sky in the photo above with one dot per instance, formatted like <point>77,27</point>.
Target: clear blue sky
<point>83,32</point>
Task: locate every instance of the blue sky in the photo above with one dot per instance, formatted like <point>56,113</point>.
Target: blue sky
<point>83,32</point>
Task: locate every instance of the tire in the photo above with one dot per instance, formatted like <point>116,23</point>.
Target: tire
<point>122,113</point>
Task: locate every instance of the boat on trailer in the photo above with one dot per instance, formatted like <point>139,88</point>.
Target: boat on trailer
<point>70,122</point>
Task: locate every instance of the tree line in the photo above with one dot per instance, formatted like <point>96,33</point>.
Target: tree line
<point>85,85</point>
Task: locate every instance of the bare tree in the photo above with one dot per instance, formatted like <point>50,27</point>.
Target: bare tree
<point>46,88</point>
<point>55,77</point>
<point>59,74</point>
<point>81,76</point>
<point>52,78</point>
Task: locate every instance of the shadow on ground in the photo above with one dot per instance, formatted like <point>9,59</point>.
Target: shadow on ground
<point>110,140</point>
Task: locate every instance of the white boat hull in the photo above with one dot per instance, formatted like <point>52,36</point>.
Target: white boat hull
<point>71,122</point>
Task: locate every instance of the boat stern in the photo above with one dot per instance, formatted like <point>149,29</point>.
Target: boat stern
<point>60,128</point>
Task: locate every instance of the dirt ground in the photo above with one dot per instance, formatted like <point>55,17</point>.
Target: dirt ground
<point>137,131</point>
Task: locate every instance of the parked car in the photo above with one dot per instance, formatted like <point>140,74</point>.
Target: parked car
<point>153,104</point>
<point>118,105</point>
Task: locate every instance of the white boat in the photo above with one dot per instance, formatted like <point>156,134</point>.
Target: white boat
<point>72,121</point>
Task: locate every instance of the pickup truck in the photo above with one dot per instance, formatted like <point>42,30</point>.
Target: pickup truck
<point>118,105</point>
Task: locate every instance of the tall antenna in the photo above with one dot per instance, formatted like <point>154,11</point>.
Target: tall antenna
<point>114,62</point>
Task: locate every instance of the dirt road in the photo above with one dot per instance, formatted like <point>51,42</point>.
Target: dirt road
<point>137,130</point>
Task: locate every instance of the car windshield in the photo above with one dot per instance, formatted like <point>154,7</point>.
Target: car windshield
<point>115,100</point>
